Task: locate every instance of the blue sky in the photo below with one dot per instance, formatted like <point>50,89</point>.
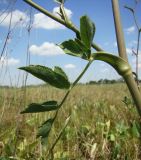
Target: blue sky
<point>45,33</point>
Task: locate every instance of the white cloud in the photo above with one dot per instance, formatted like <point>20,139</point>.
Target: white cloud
<point>115,44</point>
<point>139,61</point>
<point>46,49</point>
<point>19,18</point>
<point>139,65</point>
<point>130,30</point>
<point>56,10</point>
<point>105,70</point>
<point>44,22</point>
<point>8,61</point>
<point>70,66</point>
<point>129,51</point>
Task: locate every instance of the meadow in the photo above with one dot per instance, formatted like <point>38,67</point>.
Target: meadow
<point>104,124</point>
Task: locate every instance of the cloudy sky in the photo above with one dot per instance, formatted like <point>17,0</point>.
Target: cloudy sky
<point>32,38</point>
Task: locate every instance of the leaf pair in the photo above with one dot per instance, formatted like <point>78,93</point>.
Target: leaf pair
<point>43,107</point>
<point>81,48</point>
<point>56,77</point>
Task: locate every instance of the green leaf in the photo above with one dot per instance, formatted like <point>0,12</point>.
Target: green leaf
<point>120,65</point>
<point>44,130</point>
<point>55,78</point>
<point>112,137</point>
<point>58,70</point>
<point>87,31</point>
<point>135,129</point>
<point>75,48</point>
<point>43,107</point>
<point>72,48</point>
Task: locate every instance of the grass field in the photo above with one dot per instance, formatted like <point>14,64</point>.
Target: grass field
<point>102,126</point>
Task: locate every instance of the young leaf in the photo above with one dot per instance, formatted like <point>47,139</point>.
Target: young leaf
<point>44,130</point>
<point>87,31</point>
<point>57,79</point>
<point>72,48</point>
<point>75,48</point>
<point>43,107</point>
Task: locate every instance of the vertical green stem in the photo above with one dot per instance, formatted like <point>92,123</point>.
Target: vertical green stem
<point>137,56</point>
<point>62,102</point>
<point>132,86</point>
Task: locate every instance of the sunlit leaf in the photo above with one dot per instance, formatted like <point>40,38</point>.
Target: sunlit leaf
<point>59,70</point>
<point>44,131</point>
<point>112,137</point>
<point>72,48</point>
<point>87,30</point>
<point>75,48</point>
<point>43,107</point>
<point>55,78</point>
<point>135,129</point>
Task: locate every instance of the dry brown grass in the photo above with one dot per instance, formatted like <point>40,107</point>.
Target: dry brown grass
<point>97,114</point>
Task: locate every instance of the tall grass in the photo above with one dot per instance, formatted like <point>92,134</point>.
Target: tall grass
<point>101,125</point>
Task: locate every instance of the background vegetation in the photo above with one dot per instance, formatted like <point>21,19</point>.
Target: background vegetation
<point>100,127</point>
<point>104,123</point>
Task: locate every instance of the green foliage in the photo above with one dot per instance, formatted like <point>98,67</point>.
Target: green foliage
<point>80,47</point>
<point>43,107</point>
<point>128,101</point>
<point>5,158</point>
<point>87,31</point>
<point>74,48</point>
<point>90,119</point>
<point>44,130</point>
<point>135,129</point>
<point>56,77</point>
<point>116,151</point>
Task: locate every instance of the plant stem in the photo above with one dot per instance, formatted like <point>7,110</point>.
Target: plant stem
<point>58,137</point>
<point>72,86</point>
<point>119,31</point>
<point>68,25</point>
<point>138,43</point>
<point>137,57</point>
<point>132,86</point>
<point>135,20</point>
<point>64,99</point>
